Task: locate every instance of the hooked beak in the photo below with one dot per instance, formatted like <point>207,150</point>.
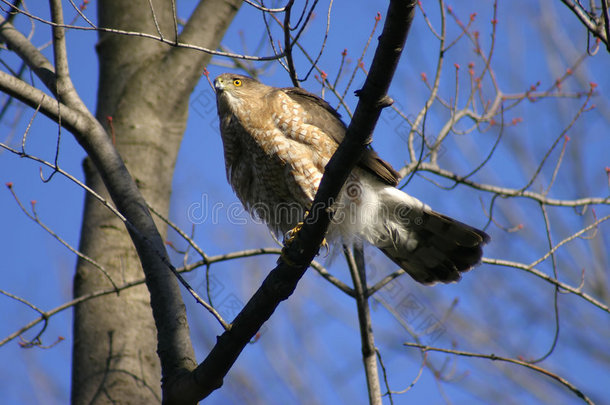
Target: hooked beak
<point>219,84</point>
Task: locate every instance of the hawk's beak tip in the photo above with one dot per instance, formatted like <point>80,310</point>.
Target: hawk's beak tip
<point>218,85</point>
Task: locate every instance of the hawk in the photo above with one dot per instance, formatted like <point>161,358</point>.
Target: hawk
<point>277,142</point>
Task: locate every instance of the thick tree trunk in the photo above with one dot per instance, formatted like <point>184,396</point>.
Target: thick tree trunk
<point>144,88</point>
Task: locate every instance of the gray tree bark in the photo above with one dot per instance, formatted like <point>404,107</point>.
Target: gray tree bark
<point>144,86</point>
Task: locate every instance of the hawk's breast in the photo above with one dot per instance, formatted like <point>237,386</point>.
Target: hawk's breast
<point>274,157</point>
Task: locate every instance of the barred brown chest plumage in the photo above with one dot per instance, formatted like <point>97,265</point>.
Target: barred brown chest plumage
<point>274,158</point>
<point>261,180</point>
<point>276,145</point>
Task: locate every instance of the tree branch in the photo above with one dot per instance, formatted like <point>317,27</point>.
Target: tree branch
<point>357,271</point>
<point>503,191</point>
<point>492,356</point>
<point>32,57</point>
<point>551,280</point>
<point>59,43</point>
<point>596,29</point>
<point>606,16</point>
<point>36,98</point>
<point>288,44</point>
<point>282,280</point>
<point>149,36</point>
<point>200,29</point>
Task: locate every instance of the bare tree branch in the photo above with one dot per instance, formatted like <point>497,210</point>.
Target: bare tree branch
<point>188,268</point>
<point>149,36</point>
<point>545,277</point>
<point>503,191</point>
<point>493,357</point>
<point>36,98</point>
<point>200,29</point>
<point>357,270</point>
<point>32,57</point>
<point>596,28</point>
<point>288,45</point>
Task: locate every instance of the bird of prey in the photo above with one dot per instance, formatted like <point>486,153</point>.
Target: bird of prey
<point>277,142</point>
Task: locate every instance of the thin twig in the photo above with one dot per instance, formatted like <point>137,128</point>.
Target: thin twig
<point>493,357</point>
<point>385,377</point>
<point>180,232</point>
<point>549,239</point>
<point>154,18</point>
<point>551,280</point>
<point>361,58</point>
<point>265,9</point>
<point>149,36</point>
<point>433,90</point>
<point>506,191</point>
<point>34,217</point>
<point>568,239</point>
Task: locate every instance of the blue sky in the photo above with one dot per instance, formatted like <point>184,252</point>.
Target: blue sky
<point>310,347</point>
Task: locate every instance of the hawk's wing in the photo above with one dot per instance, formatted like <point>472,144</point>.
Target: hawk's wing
<point>323,116</point>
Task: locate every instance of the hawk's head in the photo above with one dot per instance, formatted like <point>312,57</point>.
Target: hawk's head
<point>232,90</point>
<point>236,85</point>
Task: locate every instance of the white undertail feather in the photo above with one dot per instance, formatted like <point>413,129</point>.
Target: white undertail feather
<point>431,247</point>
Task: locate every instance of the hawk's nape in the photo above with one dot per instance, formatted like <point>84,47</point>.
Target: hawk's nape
<point>277,142</point>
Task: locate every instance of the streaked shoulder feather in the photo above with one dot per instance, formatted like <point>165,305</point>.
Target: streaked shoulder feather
<point>325,117</point>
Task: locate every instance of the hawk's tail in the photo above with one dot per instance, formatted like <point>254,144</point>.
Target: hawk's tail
<point>431,247</point>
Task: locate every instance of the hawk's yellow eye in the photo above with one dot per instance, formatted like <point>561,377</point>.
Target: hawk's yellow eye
<point>236,82</point>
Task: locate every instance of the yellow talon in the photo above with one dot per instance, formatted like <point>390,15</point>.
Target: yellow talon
<point>325,246</point>
<point>291,236</point>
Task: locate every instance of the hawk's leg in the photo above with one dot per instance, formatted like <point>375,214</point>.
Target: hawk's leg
<point>291,236</point>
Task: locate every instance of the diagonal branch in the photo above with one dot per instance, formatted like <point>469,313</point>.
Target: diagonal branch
<point>551,280</point>
<point>493,357</point>
<point>606,16</point>
<point>596,28</point>
<point>38,99</point>
<point>282,280</point>
<point>64,90</point>
<point>32,57</point>
<point>287,45</point>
